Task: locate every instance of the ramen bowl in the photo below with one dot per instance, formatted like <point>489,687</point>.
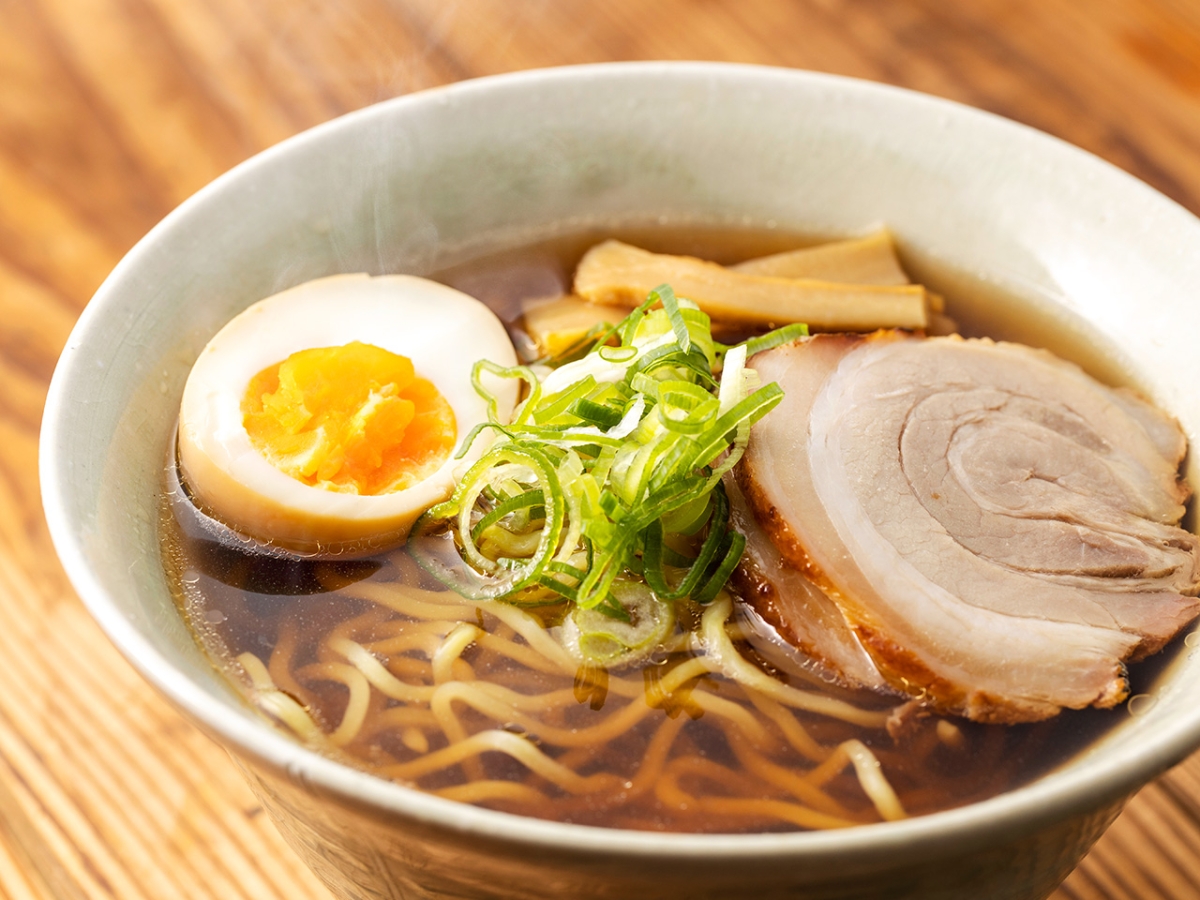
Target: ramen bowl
<point>1101,262</point>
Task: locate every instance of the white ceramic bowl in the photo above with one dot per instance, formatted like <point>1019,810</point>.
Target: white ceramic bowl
<point>422,181</point>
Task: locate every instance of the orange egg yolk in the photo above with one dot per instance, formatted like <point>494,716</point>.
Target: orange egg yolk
<point>355,419</point>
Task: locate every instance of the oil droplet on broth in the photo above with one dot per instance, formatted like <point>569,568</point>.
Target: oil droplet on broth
<point>1192,640</point>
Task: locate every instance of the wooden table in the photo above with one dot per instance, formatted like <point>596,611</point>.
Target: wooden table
<point>113,111</point>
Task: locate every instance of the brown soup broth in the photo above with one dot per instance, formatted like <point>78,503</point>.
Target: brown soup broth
<point>705,757</point>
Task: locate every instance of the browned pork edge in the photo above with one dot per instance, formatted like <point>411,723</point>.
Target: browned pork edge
<point>799,611</point>
<point>900,668</point>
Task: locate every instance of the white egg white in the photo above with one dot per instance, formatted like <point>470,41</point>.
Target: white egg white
<point>442,331</point>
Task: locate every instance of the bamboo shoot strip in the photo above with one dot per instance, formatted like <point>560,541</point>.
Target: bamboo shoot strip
<point>616,273</point>
<point>565,328</point>
<point>558,325</point>
<point>865,260</point>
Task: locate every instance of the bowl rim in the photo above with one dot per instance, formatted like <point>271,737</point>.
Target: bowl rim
<point>1109,776</point>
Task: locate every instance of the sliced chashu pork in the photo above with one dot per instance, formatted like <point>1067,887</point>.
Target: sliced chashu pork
<point>797,610</point>
<point>997,528</point>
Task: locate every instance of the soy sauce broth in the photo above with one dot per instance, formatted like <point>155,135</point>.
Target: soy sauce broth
<point>237,603</point>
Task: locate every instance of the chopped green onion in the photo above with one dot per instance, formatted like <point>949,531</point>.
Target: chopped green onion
<point>527,500</point>
<point>779,336</point>
<point>611,459</point>
<point>599,414</point>
<point>630,624</point>
<point>666,296</point>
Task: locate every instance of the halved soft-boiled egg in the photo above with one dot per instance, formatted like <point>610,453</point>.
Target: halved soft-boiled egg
<point>325,418</point>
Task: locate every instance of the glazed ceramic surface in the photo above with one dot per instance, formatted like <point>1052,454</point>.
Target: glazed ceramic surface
<point>422,182</point>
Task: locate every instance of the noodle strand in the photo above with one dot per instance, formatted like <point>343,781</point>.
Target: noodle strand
<point>725,658</point>
<point>518,748</point>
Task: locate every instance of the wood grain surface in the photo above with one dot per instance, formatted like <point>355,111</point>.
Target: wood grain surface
<point>113,111</point>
